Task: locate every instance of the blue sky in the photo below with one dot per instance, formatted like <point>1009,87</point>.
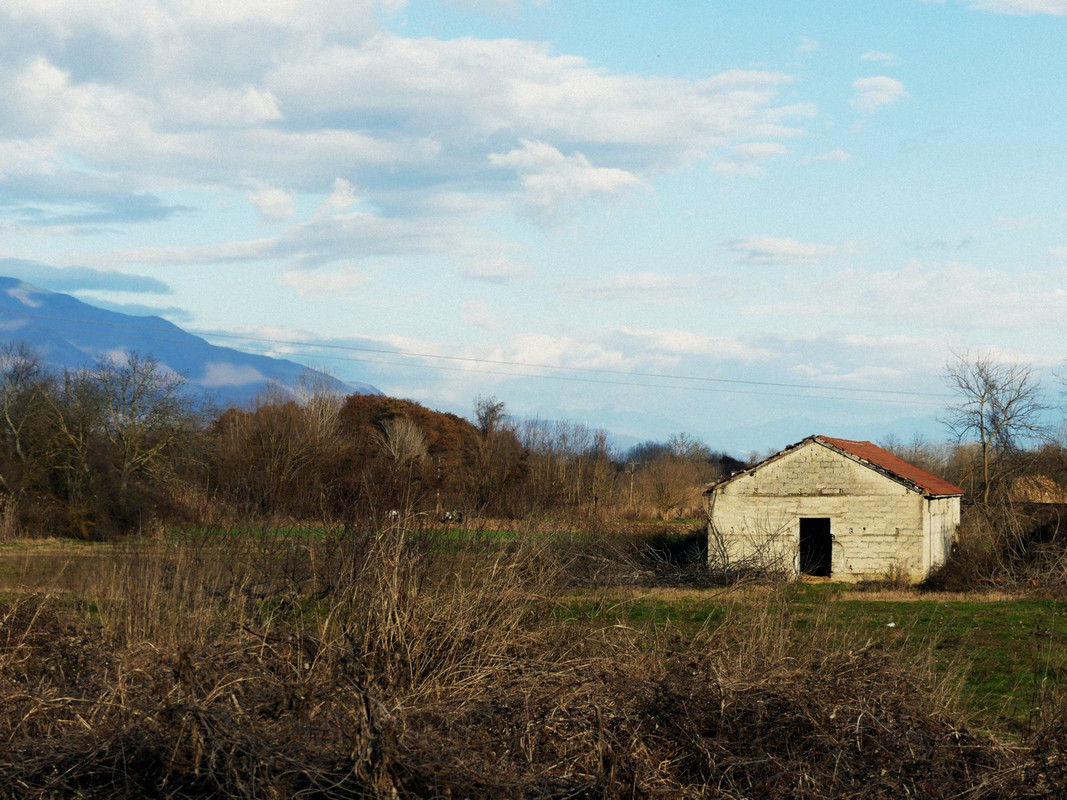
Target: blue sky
<point>745,221</point>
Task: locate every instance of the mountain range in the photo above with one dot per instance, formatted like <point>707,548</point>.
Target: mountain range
<point>68,333</point>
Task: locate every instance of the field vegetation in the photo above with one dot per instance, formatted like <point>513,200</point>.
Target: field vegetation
<point>360,597</point>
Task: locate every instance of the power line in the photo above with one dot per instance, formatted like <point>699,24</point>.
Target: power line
<point>900,399</point>
<point>597,370</point>
<point>603,381</point>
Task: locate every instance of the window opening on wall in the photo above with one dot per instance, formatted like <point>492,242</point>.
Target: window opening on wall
<point>816,545</point>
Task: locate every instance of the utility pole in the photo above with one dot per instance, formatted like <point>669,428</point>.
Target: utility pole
<point>437,461</point>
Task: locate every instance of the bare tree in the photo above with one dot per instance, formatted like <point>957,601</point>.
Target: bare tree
<point>147,412</point>
<point>321,403</point>
<point>688,448</point>
<point>671,475</point>
<point>669,485</point>
<point>498,460</point>
<point>489,414</point>
<point>22,377</point>
<point>73,411</point>
<point>1000,406</point>
<point>402,439</point>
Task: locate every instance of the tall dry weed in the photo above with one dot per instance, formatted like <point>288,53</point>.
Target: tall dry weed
<point>10,527</point>
<point>394,663</point>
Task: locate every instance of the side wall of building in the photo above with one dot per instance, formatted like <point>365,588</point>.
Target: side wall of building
<point>878,525</point>
<point>942,525</point>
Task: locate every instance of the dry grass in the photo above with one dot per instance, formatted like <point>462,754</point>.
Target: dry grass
<point>401,665</point>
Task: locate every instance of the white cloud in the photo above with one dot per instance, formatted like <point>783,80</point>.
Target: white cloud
<point>464,90</point>
<point>851,375</point>
<point>281,337</point>
<point>24,295</point>
<point>219,374</point>
<point>1055,8</point>
<point>496,7</point>
<point>747,158</point>
<point>776,250</point>
<point>682,342</point>
<point>22,156</point>
<point>240,97</point>
<point>220,107</point>
<point>250,250</point>
<point>318,284</point>
<point>875,92</point>
<point>1009,223</point>
<point>865,340</point>
<point>35,95</point>
<point>879,57</point>
<point>480,314</point>
<point>48,109</point>
<point>341,197</point>
<point>274,204</point>
<point>1058,252</point>
<point>158,22</point>
<point>320,241</point>
<point>638,285</point>
<point>836,155</point>
<point>807,45</point>
<point>494,270</point>
<point>951,297</point>
<point>550,178</point>
<point>360,234</point>
<point>562,351</point>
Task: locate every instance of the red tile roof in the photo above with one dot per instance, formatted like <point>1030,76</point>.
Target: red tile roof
<point>884,460</point>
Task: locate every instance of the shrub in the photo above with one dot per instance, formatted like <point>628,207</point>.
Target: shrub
<point>398,664</point>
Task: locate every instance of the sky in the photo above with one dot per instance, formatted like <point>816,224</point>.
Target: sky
<point>748,222</point>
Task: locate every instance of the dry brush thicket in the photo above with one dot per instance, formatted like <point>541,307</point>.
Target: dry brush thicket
<point>123,447</point>
<point>396,664</point>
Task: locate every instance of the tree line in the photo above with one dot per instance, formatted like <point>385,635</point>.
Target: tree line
<point>125,445</point>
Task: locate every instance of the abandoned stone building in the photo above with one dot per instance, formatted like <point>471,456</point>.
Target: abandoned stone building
<point>835,508</point>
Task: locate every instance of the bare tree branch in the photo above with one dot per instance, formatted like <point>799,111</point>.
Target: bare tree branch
<point>1000,406</point>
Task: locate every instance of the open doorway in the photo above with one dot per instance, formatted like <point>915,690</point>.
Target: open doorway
<point>816,544</point>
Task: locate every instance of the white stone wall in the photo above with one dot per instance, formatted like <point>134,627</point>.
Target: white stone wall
<point>878,524</point>
<point>942,523</point>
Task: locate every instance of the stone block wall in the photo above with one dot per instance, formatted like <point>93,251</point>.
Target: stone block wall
<point>878,524</point>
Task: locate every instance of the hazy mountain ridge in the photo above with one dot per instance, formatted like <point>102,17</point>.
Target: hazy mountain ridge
<point>68,333</point>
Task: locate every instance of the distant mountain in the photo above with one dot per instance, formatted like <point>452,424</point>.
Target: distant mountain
<point>68,333</point>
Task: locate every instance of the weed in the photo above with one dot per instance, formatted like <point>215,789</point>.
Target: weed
<point>336,665</point>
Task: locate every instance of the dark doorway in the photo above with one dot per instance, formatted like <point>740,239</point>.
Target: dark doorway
<point>815,546</point>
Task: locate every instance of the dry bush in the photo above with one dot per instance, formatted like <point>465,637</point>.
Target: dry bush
<point>755,708</point>
<point>10,527</point>
<point>243,716</point>
<point>1007,545</point>
<point>213,670</point>
<point>402,664</point>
